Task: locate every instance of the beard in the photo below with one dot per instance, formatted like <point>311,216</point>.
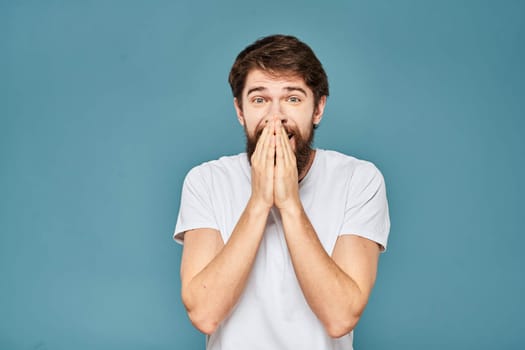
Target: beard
<point>303,145</point>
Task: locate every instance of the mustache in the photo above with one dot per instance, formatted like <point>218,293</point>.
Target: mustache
<point>291,131</point>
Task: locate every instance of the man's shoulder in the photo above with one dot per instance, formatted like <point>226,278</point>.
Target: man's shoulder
<point>227,160</point>
<point>227,165</point>
<point>335,160</point>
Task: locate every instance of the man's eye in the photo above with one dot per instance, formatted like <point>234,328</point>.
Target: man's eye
<point>258,100</point>
<point>294,99</point>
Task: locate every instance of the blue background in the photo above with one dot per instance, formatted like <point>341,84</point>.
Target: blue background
<point>105,105</point>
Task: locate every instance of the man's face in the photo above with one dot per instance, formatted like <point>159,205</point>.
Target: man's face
<point>266,97</point>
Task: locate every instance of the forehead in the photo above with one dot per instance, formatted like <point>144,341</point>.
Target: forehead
<point>257,78</point>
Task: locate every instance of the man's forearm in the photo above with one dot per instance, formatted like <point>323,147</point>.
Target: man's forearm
<point>332,295</point>
<point>213,292</point>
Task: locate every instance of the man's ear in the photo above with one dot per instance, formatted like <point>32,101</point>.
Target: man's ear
<point>318,114</point>
<point>238,109</point>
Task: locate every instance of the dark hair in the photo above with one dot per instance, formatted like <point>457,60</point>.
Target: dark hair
<point>279,54</point>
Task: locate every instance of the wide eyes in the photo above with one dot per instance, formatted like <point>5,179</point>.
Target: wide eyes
<point>260,100</point>
<point>294,99</point>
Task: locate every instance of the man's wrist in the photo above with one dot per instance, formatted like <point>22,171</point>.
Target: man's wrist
<point>294,209</point>
<point>258,207</point>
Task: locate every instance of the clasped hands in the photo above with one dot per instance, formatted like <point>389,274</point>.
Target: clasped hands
<point>274,169</point>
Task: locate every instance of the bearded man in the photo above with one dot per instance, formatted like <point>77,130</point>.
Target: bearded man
<point>281,243</point>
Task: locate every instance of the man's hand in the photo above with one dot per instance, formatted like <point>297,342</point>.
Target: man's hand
<point>286,184</point>
<point>274,169</point>
<point>262,161</point>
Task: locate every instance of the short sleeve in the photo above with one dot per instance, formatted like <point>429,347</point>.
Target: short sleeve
<point>195,205</point>
<point>366,211</point>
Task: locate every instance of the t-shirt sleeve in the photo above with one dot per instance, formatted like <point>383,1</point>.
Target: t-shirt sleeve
<point>366,211</point>
<point>195,205</point>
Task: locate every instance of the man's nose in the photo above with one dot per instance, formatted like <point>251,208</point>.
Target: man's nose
<point>276,113</point>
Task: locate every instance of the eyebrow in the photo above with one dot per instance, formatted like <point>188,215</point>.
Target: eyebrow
<point>296,88</point>
<point>287,88</point>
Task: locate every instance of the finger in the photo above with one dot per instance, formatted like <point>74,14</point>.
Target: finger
<point>279,149</point>
<point>261,144</point>
<point>266,147</point>
<point>270,145</point>
<point>287,148</point>
<point>258,147</point>
<point>290,149</point>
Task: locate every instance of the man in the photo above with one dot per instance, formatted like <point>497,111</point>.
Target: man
<point>281,243</point>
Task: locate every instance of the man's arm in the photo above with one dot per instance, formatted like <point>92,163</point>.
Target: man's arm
<point>336,288</point>
<point>214,274</point>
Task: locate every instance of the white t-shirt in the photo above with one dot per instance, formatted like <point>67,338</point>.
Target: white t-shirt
<point>340,195</point>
